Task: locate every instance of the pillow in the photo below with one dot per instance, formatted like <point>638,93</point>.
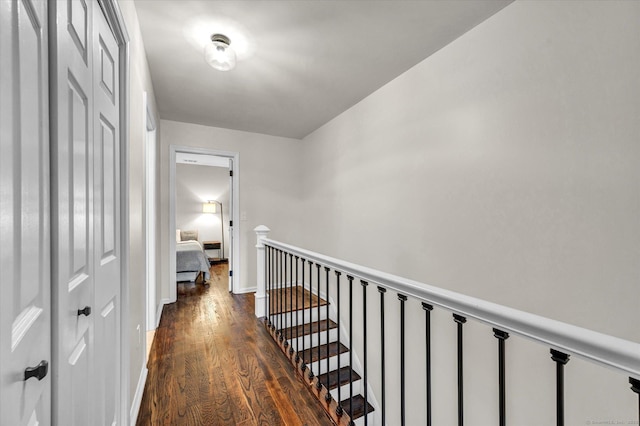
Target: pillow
<point>177,236</point>
<point>189,235</point>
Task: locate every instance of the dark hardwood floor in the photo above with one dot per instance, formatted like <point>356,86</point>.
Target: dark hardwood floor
<point>213,363</point>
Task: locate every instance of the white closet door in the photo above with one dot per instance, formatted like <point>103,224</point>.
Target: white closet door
<point>25,304</point>
<point>106,202</point>
<point>72,176</point>
<point>86,197</point>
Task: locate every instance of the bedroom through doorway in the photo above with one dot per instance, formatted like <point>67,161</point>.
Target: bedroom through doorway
<point>202,212</point>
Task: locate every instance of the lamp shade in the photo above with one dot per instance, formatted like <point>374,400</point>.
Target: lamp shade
<point>209,207</point>
<point>219,54</point>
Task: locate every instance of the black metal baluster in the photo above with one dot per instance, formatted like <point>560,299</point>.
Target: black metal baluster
<point>327,397</point>
<point>273,283</point>
<point>311,374</point>
<point>318,384</point>
<point>427,325</point>
<point>287,307</point>
<point>277,283</point>
<point>350,278</point>
<point>460,320</point>
<point>303,367</point>
<point>278,273</point>
<point>635,386</point>
<point>273,300</point>
<point>364,350</point>
<point>339,410</point>
<point>266,278</point>
<point>267,308</point>
<point>285,318</point>
<point>297,317</point>
<point>501,336</point>
<point>280,316</point>
<point>274,280</point>
<point>284,306</point>
<point>292,311</point>
<point>283,273</point>
<point>561,359</point>
<point>382,291</point>
<point>290,304</point>
<point>403,382</point>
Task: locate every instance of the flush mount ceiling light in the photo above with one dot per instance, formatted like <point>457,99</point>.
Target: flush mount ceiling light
<point>219,54</point>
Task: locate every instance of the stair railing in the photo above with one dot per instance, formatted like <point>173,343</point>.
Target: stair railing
<point>562,339</point>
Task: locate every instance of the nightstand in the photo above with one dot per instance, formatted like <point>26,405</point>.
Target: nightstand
<point>213,245</point>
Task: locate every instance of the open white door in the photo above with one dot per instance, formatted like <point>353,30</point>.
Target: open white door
<point>25,304</point>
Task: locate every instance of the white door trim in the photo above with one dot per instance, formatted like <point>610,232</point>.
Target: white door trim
<point>150,211</point>
<point>235,267</point>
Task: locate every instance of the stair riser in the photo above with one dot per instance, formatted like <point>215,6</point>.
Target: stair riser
<point>297,343</point>
<point>287,319</point>
<point>333,364</point>
<point>344,390</point>
<point>371,422</point>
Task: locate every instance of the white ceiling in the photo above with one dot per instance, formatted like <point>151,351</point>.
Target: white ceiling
<point>301,63</point>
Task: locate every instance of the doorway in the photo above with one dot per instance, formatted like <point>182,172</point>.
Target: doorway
<point>225,226</point>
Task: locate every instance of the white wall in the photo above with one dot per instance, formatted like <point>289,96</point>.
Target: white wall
<point>140,82</point>
<point>505,167</point>
<point>196,184</point>
<point>269,186</point>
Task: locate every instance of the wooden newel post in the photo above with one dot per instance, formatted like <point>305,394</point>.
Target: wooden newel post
<point>261,293</point>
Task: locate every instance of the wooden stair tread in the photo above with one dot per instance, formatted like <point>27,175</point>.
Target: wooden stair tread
<point>358,407</point>
<point>343,375</point>
<point>286,299</point>
<point>305,330</point>
<point>332,349</point>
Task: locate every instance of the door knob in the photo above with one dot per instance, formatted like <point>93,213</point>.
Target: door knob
<point>39,371</point>
<point>86,311</point>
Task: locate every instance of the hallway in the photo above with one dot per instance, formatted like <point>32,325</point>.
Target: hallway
<point>213,363</point>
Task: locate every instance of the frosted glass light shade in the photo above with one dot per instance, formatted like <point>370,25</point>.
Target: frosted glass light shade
<point>208,207</point>
<point>219,54</point>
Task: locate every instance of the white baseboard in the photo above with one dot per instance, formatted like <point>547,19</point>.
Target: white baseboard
<point>137,398</point>
<point>159,311</point>
<point>246,290</point>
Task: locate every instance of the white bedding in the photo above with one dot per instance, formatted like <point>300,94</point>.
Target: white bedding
<point>190,258</point>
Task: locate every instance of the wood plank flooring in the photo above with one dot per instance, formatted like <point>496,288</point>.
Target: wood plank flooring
<point>213,363</point>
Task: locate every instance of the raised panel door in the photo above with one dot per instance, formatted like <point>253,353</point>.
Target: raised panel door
<point>73,149</point>
<point>25,304</point>
<point>106,196</point>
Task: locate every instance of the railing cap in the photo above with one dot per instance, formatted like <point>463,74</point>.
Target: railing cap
<point>261,229</point>
<point>261,234</point>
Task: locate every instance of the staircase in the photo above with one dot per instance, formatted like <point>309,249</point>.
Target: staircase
<point>302,325</point>
<point>305,328</point>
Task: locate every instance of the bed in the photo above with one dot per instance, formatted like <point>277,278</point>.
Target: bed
<point>191,261</point>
